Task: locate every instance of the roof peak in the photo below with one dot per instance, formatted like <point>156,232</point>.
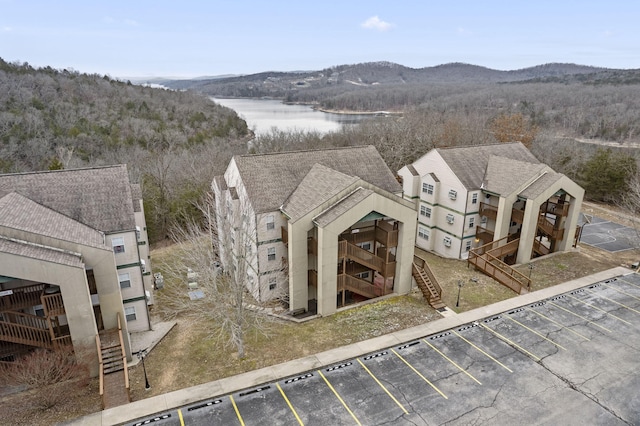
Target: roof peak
<point>65,170</point>
<point>338,148</point>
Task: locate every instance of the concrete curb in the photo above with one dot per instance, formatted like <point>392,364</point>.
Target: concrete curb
<point>176,399</point>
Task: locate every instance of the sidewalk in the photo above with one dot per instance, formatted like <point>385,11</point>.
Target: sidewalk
<point>173,400</point>
<point>147,340</point>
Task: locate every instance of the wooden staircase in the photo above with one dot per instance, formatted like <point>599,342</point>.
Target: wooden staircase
<point>114,375</point>
<point>427,283</point>
<point>486,258</point>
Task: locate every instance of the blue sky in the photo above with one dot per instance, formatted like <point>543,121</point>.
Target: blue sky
<point>189,38</point>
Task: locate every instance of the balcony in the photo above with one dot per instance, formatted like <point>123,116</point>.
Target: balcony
<point>546,227</point>
<point>517,215</point>
<point>491,212</point>
<point>484,234</point>
<point>555,208</point>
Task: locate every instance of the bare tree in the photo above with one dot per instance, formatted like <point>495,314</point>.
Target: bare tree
<point>631,203</point>
<point>221,299</point>
<point>50,374</point>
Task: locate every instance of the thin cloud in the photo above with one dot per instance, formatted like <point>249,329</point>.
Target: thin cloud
<point>375,23</point>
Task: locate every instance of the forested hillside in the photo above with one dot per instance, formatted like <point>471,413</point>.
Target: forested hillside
<point>173,142</point>
<point>568,99</point>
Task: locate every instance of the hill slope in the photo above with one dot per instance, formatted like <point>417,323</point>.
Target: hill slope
<point>371,74</point>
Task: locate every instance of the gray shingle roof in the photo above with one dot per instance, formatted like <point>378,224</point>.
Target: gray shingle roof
<point>470,163</point>
<point>541,185</point>
<point>269,179</point>
<point>18,212</point>
<point>342,206</point>
<point>319,185</point>
<point>24,249</point>
<point>136,195</point>
<point>98,197</point>
<point>504,176</point>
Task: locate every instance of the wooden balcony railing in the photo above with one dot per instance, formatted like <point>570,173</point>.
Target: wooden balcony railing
<point>517,215</point>
<point>362,236</point>
<point>25,335</point>
<point>484,234</point>
<point>285,234</point>
<point>312,246</point>
<point>53,304</point>
<point>22,297</point>
<point>386,234</point>
<point>547,228</point>
<point>488,210</point>
<point>312,277</point>
<point>540,248</point>
<point>555,208</point>
<point>356,285</point>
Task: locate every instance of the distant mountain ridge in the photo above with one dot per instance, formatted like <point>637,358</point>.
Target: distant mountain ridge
<point>277,84</point>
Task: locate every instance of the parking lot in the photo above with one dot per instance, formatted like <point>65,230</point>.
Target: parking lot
<point>568,359</point>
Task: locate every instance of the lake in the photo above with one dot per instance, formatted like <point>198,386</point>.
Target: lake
<point>262,115</point>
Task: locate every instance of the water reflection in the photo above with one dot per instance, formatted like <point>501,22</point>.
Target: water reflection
<point>262,115</point>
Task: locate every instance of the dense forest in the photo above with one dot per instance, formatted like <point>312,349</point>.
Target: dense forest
<point>175,141</point>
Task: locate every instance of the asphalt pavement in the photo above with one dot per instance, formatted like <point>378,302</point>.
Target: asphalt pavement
<point>564,355</point>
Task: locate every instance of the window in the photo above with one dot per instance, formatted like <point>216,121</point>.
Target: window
<point>125,280</point>
<point>39,310</point>
<point>272,283</point>
<point>117,244</point>
<point>483,220</point>
<point>271,253</point>
<point>423,233</point>
<point>365,246</point>
<point>447,241</point>
<point>467,246</point>
<point>138,233</point>
<point>428,188</point>
<point>364,275</point>
<point>271,223</point>
<point>143,265</point>
<point>471,221</point>
<point>453,194</point>
<point>130,313</point>
<point>450,218</point>
<point>474,199</point>
<point>425,211</point>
